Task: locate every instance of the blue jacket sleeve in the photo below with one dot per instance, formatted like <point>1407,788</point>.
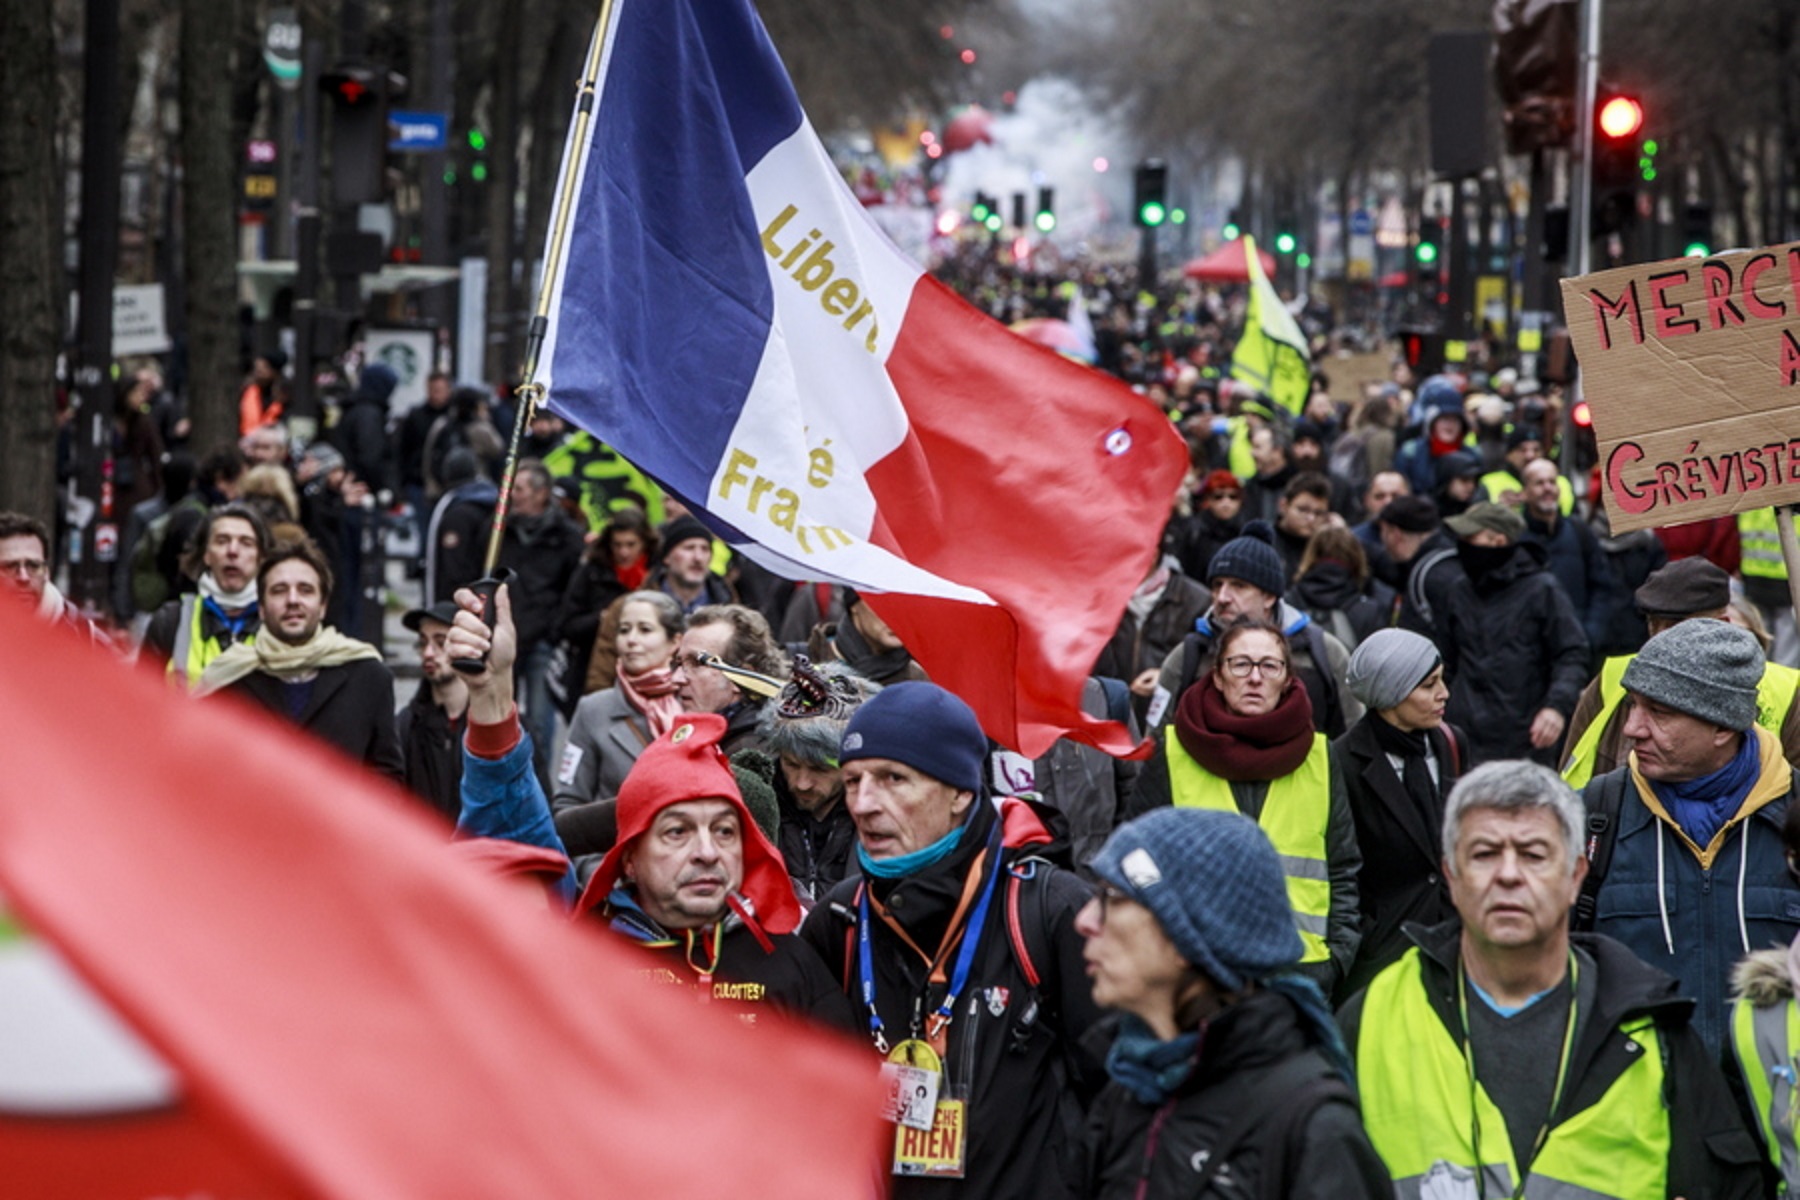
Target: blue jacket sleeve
<point>501,798</point>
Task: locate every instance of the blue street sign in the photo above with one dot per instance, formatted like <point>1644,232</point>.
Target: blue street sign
<point>1361,223</point>
<point>416,132</point>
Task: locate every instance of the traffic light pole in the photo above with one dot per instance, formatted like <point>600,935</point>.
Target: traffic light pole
<point>1581,200</point>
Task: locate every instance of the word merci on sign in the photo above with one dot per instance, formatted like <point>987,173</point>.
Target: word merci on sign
<point>1691,369</point>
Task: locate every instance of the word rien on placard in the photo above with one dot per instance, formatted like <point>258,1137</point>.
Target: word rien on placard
<point>784,502</point>
<point>1730,300</point>
<point>1697,476</point>
<point>839,295</point>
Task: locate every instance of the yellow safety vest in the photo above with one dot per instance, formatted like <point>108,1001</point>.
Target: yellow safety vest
<point>1764,1041</point>
<point>1774,698</point>
<point>1422,1113</point>
<point>1294,815</point>
<point>1495,483</point>
<point>1237,456</point>
<point>1760,537</point>
<point>192,650</point>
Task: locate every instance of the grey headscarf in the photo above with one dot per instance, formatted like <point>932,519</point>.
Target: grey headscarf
<point>1388,665</point>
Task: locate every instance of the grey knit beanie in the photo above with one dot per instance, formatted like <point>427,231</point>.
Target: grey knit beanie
<point>1388,665</point>
<point>1214,883</point>
<point>1251,557</point>
<point>1701,667</point>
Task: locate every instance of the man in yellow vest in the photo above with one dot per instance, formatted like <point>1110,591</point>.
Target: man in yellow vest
<point>1766,582</point>
<point>1503,1056</point>
<point>1505,485</point>
<point>188,632</point>
<point>1685,589</point>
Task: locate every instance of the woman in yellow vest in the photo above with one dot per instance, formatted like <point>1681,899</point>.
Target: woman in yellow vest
<point>1765,1038</point>
<point>1242,739</point>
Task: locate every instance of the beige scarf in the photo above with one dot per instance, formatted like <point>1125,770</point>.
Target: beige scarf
<point>271,655</point>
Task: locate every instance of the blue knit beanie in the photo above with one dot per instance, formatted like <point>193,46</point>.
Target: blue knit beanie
<point>1251,557</point>
<point>1214,883</point>
<point>923,726</point>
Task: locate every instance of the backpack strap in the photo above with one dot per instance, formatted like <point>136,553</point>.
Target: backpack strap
<point>850,940</point>
<point>1190,664</point>
<point>1333,716</point>
<point>1415,582</point>
<point>1018,928</point>
<point>1608,794</point>
<point>1289,1129</point>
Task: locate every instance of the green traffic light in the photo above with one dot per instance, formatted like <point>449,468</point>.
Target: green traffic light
<point>478,172</point>
<point>1230,232</point>
<point>1697,250</point>
<point>1178,216</point>
<point>980,213</point>
<point>1425,252</point>
<point>1046,221</point>
<point>449,176</point>
<point>1304,260</point>
<point>1285,243</point>
<point>993,222</point>
<point>1650,147</point>
<point>477,140</point>
<point>1152,214</point>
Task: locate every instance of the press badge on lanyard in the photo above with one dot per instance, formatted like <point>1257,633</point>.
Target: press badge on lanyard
<point>931,1129</point>
<point>929,1134</point>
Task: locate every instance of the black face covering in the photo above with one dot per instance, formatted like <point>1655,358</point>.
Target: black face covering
<point>1482,561</point>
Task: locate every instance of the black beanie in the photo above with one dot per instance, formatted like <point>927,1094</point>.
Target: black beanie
<point>1251,557</point>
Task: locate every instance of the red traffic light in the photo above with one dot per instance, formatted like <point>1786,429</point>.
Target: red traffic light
<point>1583,416</point>
<point>1621,117</point>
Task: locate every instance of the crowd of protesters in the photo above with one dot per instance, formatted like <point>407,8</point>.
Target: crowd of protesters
<point>1465,859</point>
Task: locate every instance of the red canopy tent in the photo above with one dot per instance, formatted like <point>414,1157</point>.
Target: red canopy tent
<point>325,1001</point>
<point>1227,264</point>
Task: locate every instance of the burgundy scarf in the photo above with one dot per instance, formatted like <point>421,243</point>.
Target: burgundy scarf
<point>1244,749</point>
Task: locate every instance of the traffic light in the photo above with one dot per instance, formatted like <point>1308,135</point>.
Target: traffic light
<point>359,133</point>
<point>1697,230</point>
<point>1018,213</point>
<point>983,206</point>
<point>1046,210</point>
<point>1426,251</point>
<point>1619,159</point>
<point>1234,227</point>
<point>1285,242</point>
<point>1151,193</point>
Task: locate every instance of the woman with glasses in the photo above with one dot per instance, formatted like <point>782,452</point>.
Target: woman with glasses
<point>1398,764</point>
<point>1227,1075</point>
<point>1242,739</point>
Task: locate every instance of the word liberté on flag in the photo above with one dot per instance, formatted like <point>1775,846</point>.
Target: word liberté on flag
<point>728,318</point>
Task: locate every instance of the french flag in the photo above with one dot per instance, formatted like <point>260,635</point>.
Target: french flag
<point>727,317</point>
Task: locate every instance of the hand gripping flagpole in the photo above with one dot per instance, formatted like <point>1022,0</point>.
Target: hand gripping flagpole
<point>530,392</point>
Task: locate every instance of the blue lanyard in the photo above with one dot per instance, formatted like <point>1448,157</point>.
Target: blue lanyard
<point>965,959</point>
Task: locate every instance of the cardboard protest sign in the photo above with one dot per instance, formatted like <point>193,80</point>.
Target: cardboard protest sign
<point>1690,367</point>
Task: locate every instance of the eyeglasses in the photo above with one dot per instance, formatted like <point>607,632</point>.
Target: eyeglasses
<point>1110,898</point>
<point>1269,668</point>
<point>25,566</point>
<point>688,662</point>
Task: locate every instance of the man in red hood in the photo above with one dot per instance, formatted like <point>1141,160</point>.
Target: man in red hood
<point>691,879</point>
<point>694,879</point>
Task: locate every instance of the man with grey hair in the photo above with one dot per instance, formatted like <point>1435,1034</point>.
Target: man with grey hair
<point>1688,866</point>
<point>1503,1056</point>
<point>800,731</point>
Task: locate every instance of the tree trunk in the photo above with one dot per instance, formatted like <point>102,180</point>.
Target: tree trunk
<point>209,208</point>
<point>503,189</point>
<point>30,237</point>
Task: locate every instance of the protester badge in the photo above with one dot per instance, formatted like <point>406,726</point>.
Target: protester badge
<point>911,1075</point>
<point>996,1000</point>
<point>930,1134</point>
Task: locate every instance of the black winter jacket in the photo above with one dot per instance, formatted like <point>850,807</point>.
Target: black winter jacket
<point>1014,1049</point>
<point>1401,878</point>
<point>543,551</point>
<point>1712,1156</point>
<point>431,748</point>
<point>1329,1158</point>
<point>351,706</point>
<point>1138,647</point>
<point>1511,646</point>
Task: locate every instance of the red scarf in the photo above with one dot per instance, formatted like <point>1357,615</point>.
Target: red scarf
<point>633,574</point>
<point>1245,749</point>
<point>653,693</point>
